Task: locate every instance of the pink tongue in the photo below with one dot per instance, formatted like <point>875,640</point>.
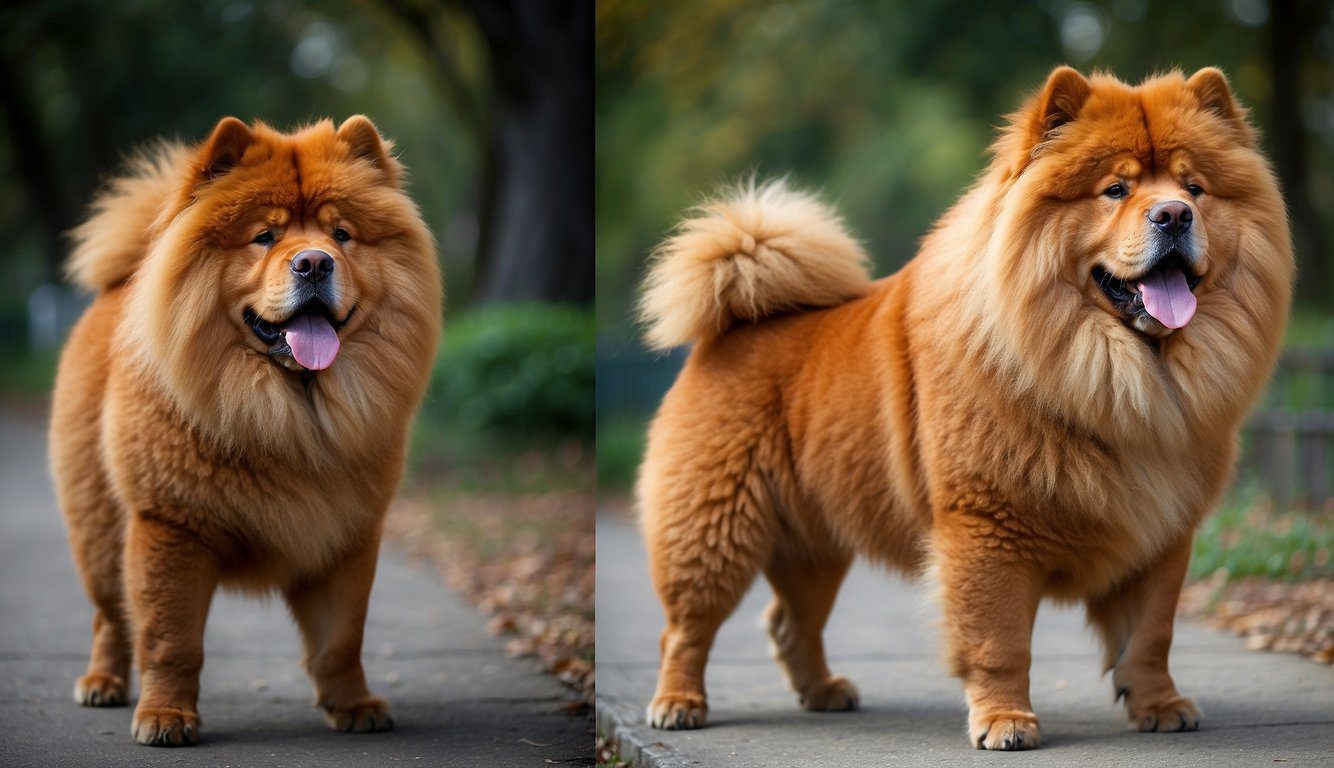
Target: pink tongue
<point>1166,297</point>
<point>313,341</point>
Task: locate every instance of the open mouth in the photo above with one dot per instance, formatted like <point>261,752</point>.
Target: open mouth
<point>309,335</point>
<point>1162,296</point>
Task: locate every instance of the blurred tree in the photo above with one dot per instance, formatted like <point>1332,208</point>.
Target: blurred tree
<point>1291,32</point>
<point>33,156</point>
<point>531,118</point>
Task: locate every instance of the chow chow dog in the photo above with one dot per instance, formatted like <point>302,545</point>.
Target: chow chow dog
<point>233,407</point>
<point>1043,403</point>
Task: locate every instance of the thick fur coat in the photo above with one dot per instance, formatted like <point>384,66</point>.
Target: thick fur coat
<point>1004,412</point>
<point>190,449</point>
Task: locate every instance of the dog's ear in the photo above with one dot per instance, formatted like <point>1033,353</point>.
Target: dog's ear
<point>1057,104</point>
<point>364,141</point>
<point>1214,95</point>
<point>225,148</point>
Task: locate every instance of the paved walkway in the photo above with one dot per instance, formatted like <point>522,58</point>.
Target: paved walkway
<point>1260,709</point>
<point>458,701</point>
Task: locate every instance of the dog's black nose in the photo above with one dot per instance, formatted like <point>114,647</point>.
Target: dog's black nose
<point>312,265</point>
<point>1172,216</point>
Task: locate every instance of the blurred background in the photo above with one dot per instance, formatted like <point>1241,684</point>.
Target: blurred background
<point>490,105</point>
<point>887,107</point>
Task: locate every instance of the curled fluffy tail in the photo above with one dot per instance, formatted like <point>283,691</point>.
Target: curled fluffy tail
<point>111,243</point>
<point>755,252</point>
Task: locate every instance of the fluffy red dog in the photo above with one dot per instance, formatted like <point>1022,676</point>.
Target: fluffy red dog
<point>234,406</point>
<point>1043,403</point>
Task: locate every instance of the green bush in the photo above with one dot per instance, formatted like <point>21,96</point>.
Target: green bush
<point>1246,536</point>
<point>516,371</point>
<point>620,448</point>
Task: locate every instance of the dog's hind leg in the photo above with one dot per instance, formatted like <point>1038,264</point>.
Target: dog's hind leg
<point>95,539</point>
<point>95,535</point>
<point>707,537</point>
<point>804,592</point>
<point>92,516</point>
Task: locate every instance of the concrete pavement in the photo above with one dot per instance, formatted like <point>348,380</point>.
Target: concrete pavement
<point>458,701</point>
<point>1259,708</point>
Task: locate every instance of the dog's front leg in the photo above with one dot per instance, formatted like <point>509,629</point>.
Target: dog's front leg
<point>1135,621</point>
<point>170,577</point>
<point>331,610</point>
<point>991,590</point>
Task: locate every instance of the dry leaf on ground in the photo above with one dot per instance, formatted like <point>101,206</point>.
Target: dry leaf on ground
<point>524,560</point>
<point>1271,615</point>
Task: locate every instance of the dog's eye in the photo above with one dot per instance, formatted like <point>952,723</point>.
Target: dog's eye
<point>264,238</point>
<point>1116,191</point>
<point>341,235</point>
<point>1195,190</point>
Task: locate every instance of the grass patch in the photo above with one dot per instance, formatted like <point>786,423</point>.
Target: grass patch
<point>1246,536</point>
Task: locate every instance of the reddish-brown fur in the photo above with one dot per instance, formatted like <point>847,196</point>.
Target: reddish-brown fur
<point>187,457</point>
<point>983,415</point>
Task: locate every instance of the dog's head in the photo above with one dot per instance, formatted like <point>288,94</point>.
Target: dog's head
<point>291,271</point>
<point>1140,237</point>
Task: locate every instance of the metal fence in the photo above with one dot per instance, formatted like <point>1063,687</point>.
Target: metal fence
<point>631,380</point>
<point>1288,445</point>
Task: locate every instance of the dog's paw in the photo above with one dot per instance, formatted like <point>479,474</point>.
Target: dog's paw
<point>678,712</point>
<point>1005,730</point>
<point>837,694</point>
<point>1172,715</point>
<point>165,727</point>
<point>99,690</point>
<point>370,715</point>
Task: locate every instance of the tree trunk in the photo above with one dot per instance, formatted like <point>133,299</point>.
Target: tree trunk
<point>1290,28</point>
<point>33,158</point>
<point>538,238</point>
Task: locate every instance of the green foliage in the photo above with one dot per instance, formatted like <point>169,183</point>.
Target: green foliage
<point>1310,327</point>
<point>28,375</point>
<point>519,371</point>
<point>620,448</point>
<point>1245,537</point>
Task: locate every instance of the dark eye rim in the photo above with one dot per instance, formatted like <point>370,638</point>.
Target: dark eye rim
<point>1116,191</point>
<point>341,235</point>
<point>1195,190</point>
<point>265,238</point>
